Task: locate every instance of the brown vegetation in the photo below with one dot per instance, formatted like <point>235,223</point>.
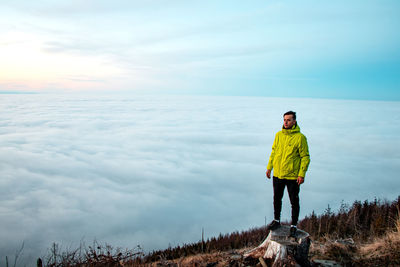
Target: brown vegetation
<point>362,221</point>
<point>235,240</point>
<point>379,251</point>
<point>90,256</point>
<point>363,234</point>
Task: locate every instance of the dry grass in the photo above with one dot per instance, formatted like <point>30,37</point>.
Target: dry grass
<point>216,259</point>
<point>95,255</point>
<point>340,251</point>
<point>384,251</point>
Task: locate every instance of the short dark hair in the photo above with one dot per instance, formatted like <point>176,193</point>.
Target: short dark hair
<point>290,113</point>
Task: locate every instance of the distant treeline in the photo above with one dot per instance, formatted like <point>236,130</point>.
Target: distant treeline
<point>225,242</point>
<point>360,221</point>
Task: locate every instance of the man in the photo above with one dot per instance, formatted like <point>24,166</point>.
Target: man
<point>289,159</point>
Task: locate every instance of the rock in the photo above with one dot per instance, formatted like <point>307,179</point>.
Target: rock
<point>236,257</point>
<point>347,241</point>
<point>326,263</point>
<point>278,249</point>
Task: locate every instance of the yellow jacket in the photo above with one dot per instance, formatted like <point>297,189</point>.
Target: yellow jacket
<point>289,157</point>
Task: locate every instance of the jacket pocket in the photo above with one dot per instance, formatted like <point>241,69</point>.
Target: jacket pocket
<point>287,168</point>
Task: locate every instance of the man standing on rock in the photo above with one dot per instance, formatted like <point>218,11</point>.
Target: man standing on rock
<point>289,159</point>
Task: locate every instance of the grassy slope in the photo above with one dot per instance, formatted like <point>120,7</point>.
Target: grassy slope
<point>375,227</point>
<point>383,251</point>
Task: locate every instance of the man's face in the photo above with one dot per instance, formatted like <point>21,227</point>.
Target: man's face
<point>288,121</point>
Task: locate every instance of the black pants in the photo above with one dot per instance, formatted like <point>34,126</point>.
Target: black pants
<point>293,189</point>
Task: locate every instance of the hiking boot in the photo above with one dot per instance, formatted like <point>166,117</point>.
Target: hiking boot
<point>273,225</point>
<point>293,230</point>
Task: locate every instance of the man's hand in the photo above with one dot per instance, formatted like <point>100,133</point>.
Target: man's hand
<point>300,180</point>
<point>268,173</point>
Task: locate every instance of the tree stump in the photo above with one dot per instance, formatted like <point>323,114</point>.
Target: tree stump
<point>280,250</point>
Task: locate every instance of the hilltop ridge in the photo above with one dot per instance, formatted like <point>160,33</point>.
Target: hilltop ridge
<point>362,234</point>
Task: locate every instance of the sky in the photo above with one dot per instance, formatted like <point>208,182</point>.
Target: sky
<point>142,122</point>
<point>340,49</point>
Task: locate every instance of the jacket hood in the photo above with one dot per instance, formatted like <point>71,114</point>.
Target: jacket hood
<point>294,129</point>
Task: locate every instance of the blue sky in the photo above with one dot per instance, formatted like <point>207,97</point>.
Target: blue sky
<point>337,49</point>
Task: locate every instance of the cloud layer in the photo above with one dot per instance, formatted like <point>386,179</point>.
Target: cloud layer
<point>154,171</point>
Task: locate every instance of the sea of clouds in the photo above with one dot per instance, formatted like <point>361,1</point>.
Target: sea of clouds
<point>154,170</point>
